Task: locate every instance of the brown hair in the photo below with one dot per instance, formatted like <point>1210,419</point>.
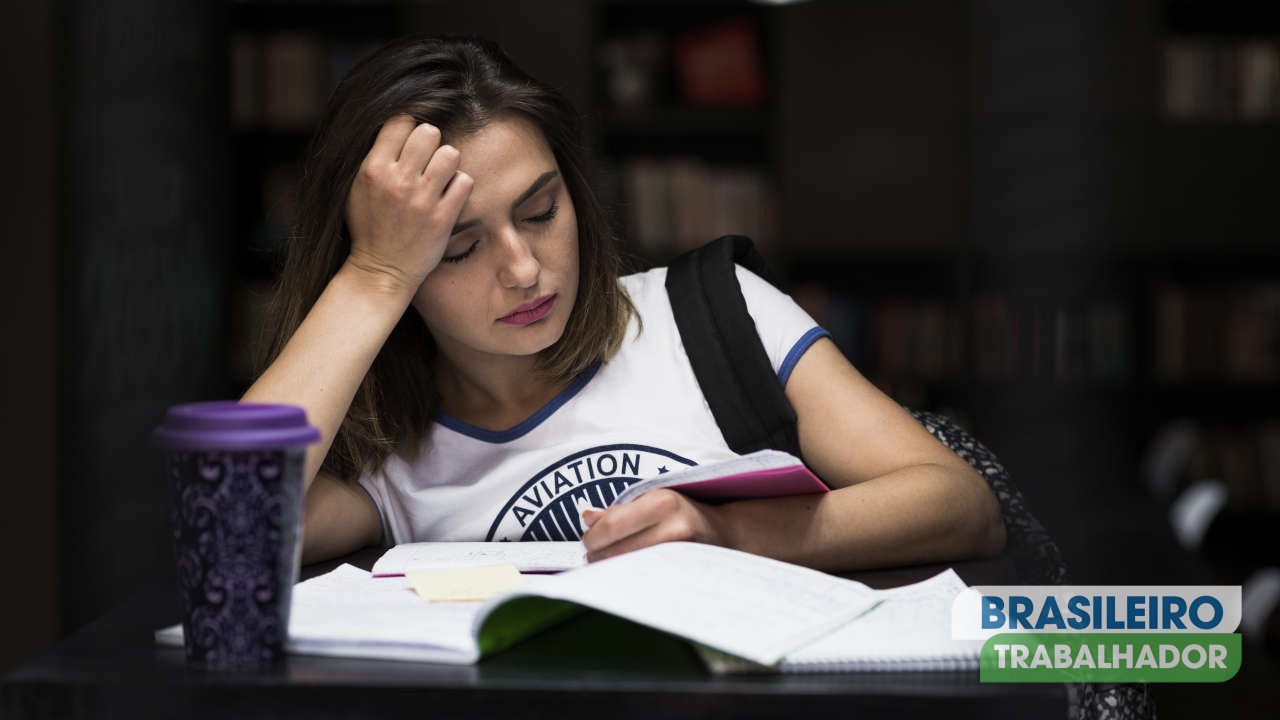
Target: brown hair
<point>458,85</point>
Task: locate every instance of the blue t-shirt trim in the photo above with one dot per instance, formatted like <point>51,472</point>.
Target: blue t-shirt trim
<point>526,425</point>
<point>793,357</point>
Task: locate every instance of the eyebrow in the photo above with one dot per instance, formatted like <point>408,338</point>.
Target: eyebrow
<point>537,185</point>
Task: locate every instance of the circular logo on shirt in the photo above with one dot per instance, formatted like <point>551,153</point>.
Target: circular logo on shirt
<point>548,507</point>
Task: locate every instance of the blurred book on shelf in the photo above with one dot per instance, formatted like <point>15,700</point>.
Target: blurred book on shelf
<point>281,80</point>
<point>293,80</point>
<point>994,339</point>
<point>844,316</point>
<point>722,65</point>
<point>1217,334</point>
<point>1259,92</point>
<point>633,65</point>
<point>984,338</point>
<point>1109,332</point>
<point>891,323</point>
<point>673,204</point>
<point>1221,81</point>
<point>1242,458</point>
<point>1269,459</point>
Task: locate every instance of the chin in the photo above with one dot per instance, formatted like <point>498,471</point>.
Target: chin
<point>537,342</point>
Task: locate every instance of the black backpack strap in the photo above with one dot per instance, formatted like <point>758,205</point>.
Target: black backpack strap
<point>724,348</point>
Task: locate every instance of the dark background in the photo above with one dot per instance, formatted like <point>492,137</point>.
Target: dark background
<point>1001,166</point>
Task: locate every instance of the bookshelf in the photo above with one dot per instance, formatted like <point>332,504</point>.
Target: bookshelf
<point>1162,306</point>
<point>1215,290</point>
<point>958,332</point>
<point>284,59</point>
<point>684,96</point>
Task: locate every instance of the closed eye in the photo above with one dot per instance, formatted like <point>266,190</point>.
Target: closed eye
<point>461,256</point>
<point>546,216</point>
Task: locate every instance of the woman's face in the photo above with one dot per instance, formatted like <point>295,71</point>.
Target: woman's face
<point>509,276</point>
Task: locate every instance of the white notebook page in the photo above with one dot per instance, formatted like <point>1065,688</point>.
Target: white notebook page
<point>349,613</point>
<point>349,606</point>
<point>910,630</point>
<point>741,604</point>
<point>526,556</point>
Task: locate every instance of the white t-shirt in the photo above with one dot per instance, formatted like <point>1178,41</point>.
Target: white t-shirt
<point>637,415</point>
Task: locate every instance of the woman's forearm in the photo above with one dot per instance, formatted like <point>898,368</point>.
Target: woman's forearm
<point>920,513</point>
<point>323,364</point>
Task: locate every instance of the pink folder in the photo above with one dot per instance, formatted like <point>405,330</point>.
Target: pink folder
<point>762,474</point>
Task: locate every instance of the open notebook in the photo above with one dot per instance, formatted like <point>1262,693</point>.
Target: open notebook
<point>741,604</point>
<point>747,612</point>
<point>909,630</point>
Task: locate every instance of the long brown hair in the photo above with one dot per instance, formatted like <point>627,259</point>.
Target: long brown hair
<point>458,85</point>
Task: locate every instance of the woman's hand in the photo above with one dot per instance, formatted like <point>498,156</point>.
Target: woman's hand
<point>657,516</point>
<point>404,203</point>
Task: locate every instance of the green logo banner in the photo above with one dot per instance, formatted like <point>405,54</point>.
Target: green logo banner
<point>1111,657</point>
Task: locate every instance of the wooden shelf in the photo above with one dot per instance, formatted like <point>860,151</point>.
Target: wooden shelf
<point>1210,400</point>
<point>263,148</point>
<point>681,121</point>
<point>334,19</point>
<point>1196,131</point>
<point>726,136</point>
<point>1222,18</point>
<point>1066,276</point>
<point>873,275</point>
<point>1215,267</point>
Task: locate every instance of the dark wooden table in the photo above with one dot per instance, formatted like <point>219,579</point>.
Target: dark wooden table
<point>112,668</point>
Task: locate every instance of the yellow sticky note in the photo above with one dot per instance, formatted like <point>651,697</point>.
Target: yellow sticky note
<point>469,583</point>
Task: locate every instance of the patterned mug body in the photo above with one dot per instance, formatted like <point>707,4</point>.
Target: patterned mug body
<point>236,525</point>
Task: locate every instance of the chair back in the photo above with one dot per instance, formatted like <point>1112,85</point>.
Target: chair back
<point>1035,555</point>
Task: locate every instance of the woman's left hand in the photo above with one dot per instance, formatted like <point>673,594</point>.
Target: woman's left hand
<point>657,516</point>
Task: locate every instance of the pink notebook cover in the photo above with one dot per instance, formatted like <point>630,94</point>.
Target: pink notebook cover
<point>774,482</point>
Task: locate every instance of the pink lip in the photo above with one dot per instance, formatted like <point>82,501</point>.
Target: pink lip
<point>530,311</point>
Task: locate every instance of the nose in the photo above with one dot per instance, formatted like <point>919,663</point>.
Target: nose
<point>517,266</point>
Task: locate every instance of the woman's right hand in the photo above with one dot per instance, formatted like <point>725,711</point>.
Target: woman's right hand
<point>403,204</point>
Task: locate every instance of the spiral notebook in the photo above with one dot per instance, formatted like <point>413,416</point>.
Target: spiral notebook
<point>909,630</point>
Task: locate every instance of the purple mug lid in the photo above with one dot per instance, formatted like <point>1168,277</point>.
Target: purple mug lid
<point>231,425</point>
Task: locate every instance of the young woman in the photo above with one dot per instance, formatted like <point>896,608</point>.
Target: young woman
<point>452,319</point>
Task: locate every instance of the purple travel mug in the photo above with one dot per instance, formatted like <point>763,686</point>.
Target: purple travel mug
<point>236,474</point>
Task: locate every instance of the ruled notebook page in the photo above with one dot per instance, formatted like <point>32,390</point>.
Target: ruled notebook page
<point>348,612</point>
<point>749,606</point>
<point>526,556</point>
<point>909,630</point>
